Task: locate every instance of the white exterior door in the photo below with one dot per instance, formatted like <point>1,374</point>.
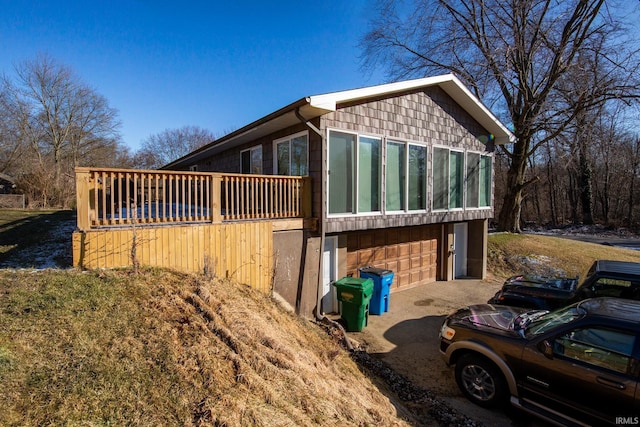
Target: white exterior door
<point>329,273</point>
<point>460,237</point>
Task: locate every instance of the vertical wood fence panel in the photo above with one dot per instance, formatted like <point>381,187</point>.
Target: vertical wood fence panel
<point>242,251</point>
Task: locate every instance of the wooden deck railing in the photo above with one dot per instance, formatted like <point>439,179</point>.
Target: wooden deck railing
<point>119,197</point>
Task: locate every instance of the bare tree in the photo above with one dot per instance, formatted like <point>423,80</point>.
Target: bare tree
<point>169,145</point>
<point>63,122</point>
<point>514,55</point>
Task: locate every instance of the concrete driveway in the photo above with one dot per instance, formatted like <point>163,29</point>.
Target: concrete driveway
<point>406,338</point>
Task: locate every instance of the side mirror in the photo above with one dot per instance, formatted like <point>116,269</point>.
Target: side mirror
<point>546,348</point>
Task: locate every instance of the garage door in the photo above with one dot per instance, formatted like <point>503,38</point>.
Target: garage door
<point>410,252</point>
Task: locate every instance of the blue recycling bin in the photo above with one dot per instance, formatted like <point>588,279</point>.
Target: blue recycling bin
<point>382,280</point>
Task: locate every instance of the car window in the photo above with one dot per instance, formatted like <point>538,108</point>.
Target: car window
<point>602,347</point>
<point>551,320</point>
<point>608,287</point>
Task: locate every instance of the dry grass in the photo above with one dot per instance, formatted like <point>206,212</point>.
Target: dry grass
<point>506,252</point>
<point>164,348</point>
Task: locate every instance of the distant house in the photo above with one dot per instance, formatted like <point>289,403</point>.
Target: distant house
<point>7,184</point>
<point>402,179</point>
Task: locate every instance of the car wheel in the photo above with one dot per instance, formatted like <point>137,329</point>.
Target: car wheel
<point>480,381</point>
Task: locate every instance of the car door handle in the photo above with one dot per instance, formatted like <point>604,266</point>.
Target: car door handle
<point>611,383</point>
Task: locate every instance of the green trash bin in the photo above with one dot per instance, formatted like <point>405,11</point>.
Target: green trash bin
<point>354,294</point>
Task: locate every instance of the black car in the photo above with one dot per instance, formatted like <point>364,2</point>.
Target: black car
<point>578,365</point>
<point>605,278</point>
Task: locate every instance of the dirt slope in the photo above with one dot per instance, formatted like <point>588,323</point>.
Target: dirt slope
<point>164,348</point>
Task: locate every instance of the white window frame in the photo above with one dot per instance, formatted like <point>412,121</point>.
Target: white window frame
<point>288,139</point>
<point>356,188</point>
<point>403,208</point>
<point>466,191</point>
<point>426,178</point>
<point>464,169</point>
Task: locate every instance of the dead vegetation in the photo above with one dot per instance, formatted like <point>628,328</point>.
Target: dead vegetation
<point>510,254</point>
<point>164,348</point>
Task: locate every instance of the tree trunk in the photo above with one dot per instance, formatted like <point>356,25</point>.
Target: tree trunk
<point>586,194</point>
<point>509,218</point>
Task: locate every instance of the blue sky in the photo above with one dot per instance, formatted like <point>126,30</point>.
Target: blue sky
<point>214,64</point>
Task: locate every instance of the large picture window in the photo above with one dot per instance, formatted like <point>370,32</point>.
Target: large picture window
<point>457,183</point>
<point>355,177</point>
<point>292,155</point>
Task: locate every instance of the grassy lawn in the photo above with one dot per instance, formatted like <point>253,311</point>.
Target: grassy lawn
<point>510,254</point>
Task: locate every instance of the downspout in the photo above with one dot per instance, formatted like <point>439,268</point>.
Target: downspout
<point>319,316</point>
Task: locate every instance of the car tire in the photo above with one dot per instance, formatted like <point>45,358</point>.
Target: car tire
<point>481,381</point>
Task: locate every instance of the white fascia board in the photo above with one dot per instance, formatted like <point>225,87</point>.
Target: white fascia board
<point>330,100</point>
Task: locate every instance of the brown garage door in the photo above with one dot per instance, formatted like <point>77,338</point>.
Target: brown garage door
<point>410,252</point>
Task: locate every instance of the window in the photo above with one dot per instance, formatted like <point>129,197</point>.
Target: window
<point>440,178</point>
<point>292,155</point>
<point>251,160</point>
<point>341,172</point>
<point>406,181</point>
<point>369,176</point>
<point>485,181</point>
<point>448,176</point>
<point>417,176</point>
<point>354,173</point>
<point>395,176</point>
<point>456,185</point>
<point>606,348</point>
<point>456,177</point>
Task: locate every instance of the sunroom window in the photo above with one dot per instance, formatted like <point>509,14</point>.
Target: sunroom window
<point>354,173</point>
<point>417,176</point>
<point>456,182</point>
<point>448,178</point>
<point>369,176</point>
<point>478,181</point>
<point>396,167</point>
<point>341,172</point>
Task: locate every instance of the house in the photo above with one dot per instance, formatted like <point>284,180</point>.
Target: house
<point>402,178</point>
<point>7,184</point>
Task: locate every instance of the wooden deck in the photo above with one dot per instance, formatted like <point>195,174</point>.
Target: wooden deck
<point>192,221</point>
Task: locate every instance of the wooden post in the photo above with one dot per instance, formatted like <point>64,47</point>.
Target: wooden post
<point>83,199</point>
<point>216,199</point>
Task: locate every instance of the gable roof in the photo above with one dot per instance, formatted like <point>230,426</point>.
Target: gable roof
<point>314,106</point>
